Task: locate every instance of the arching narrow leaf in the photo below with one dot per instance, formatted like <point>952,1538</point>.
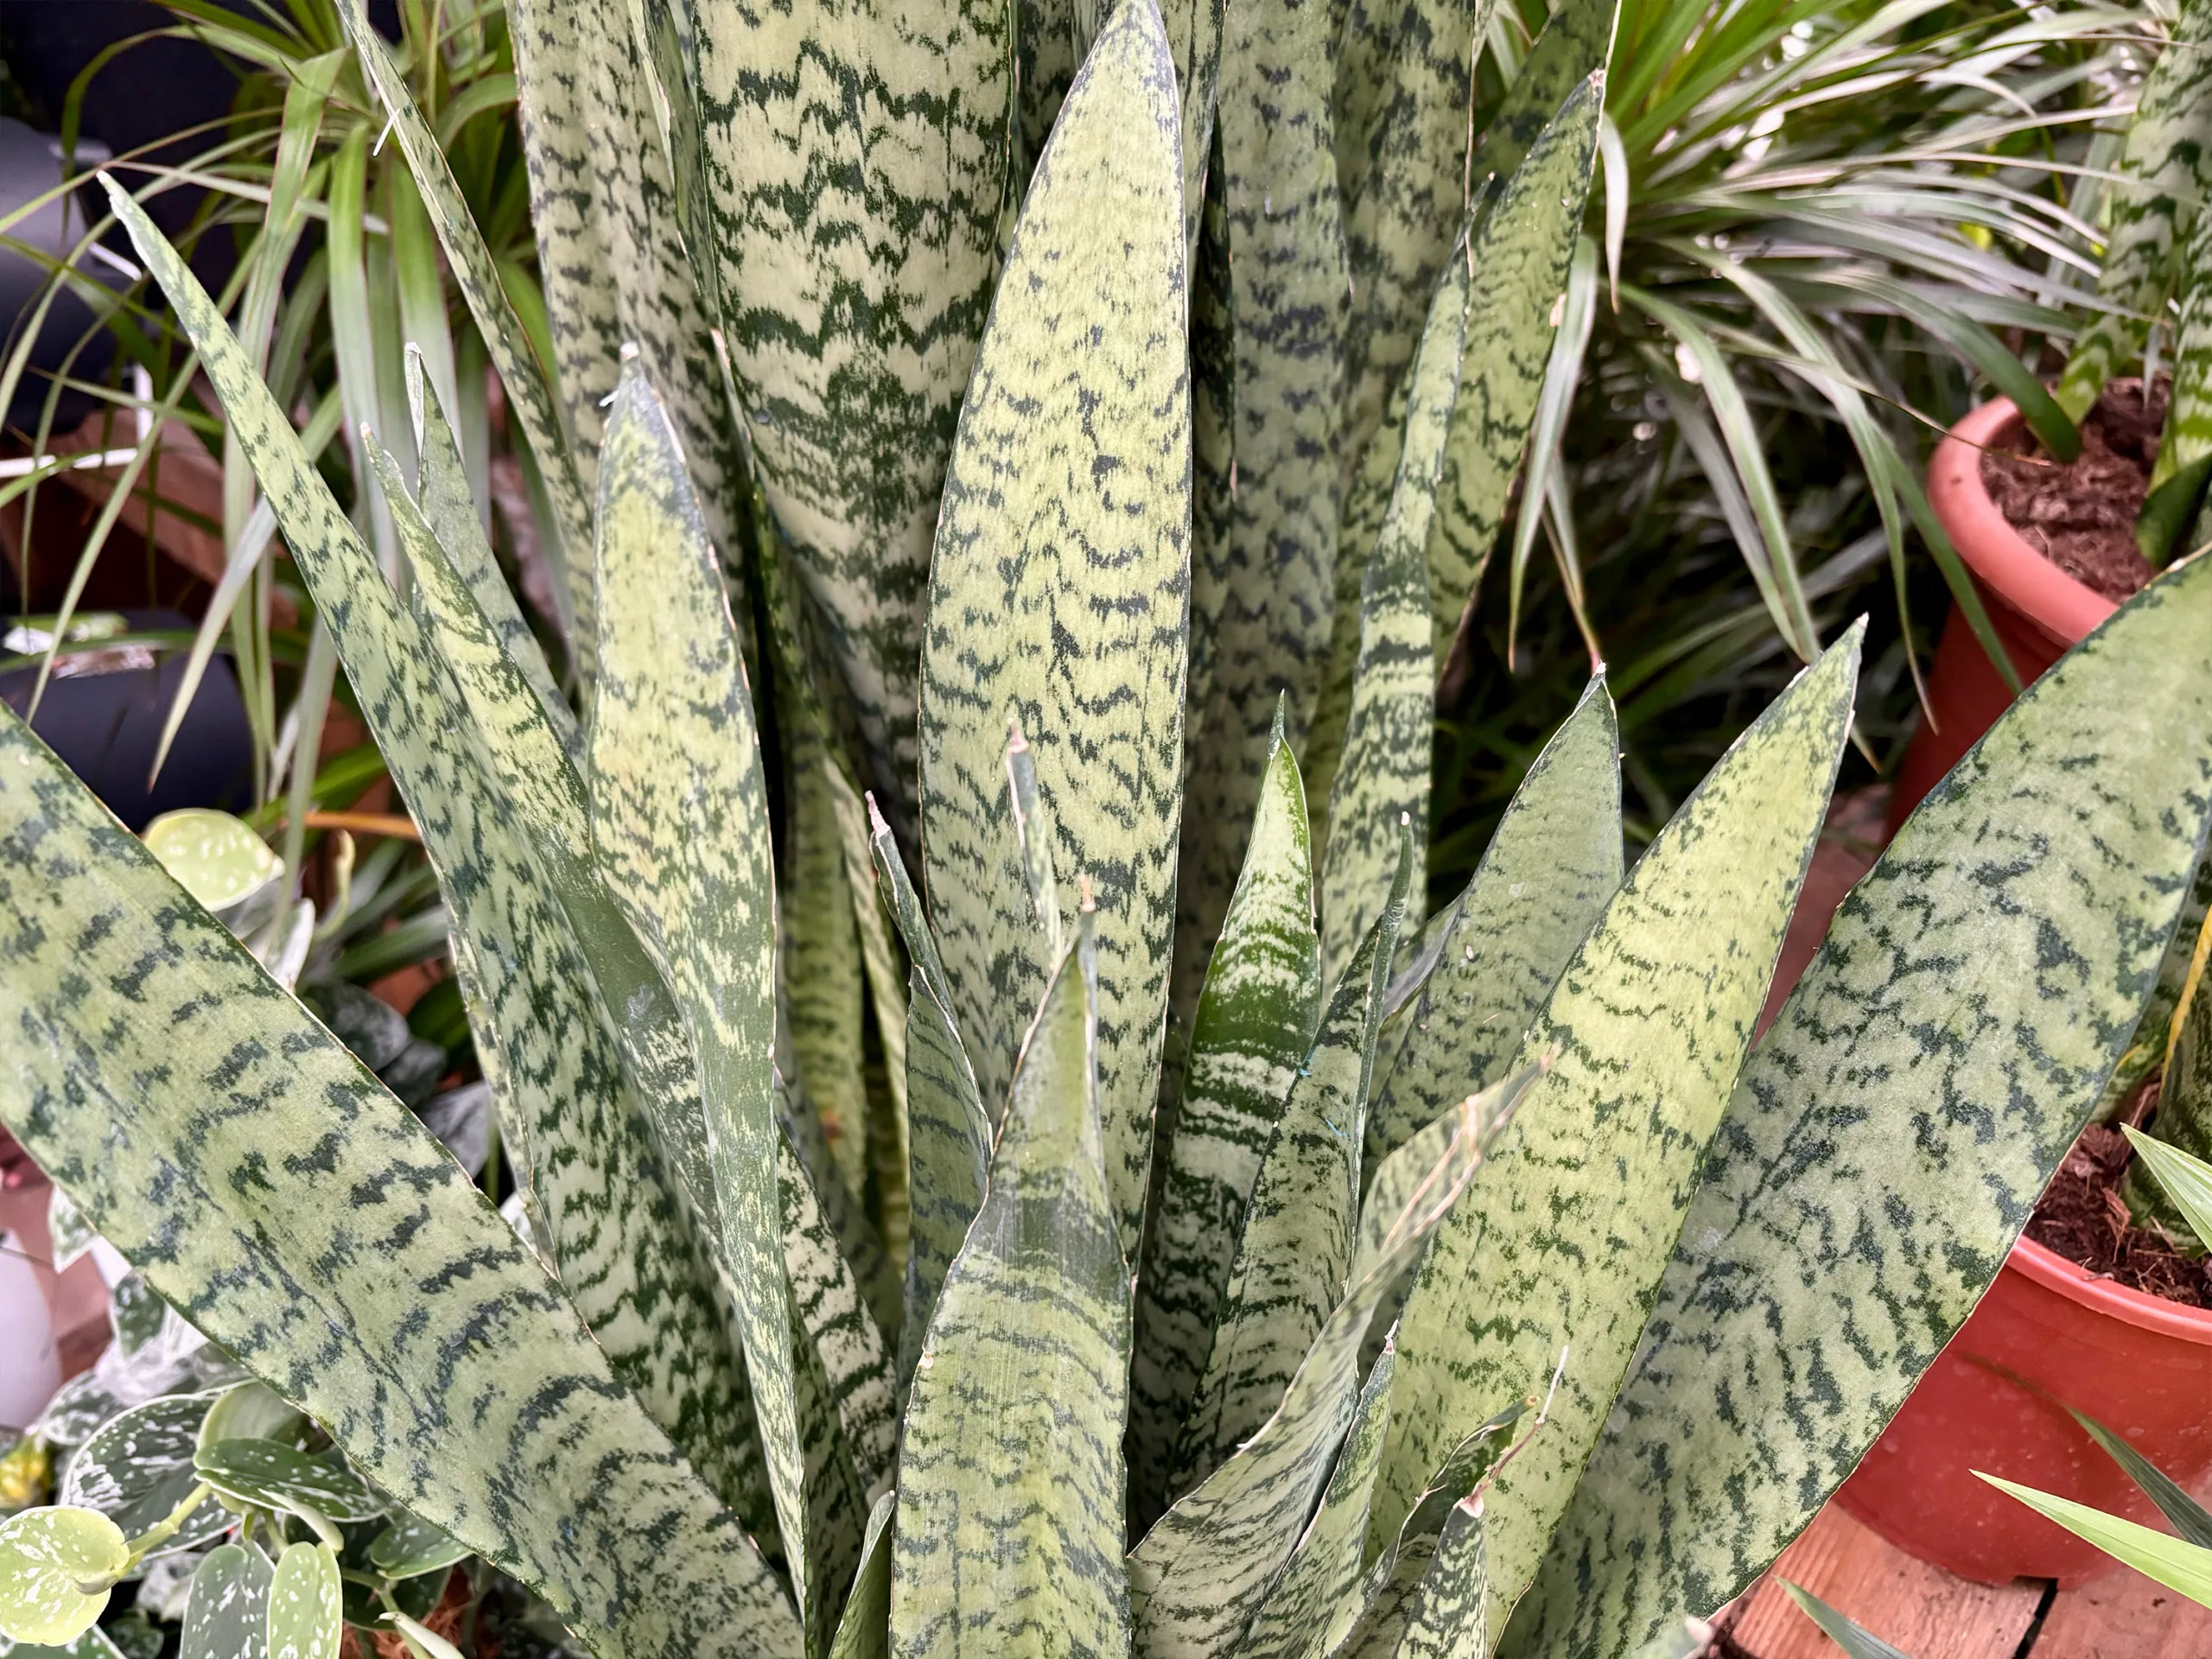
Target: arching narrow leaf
<point>1445,1616</point>
<point>832,1316</point>
<point>679,818</point>
<point>1010,1476</point>
<point>1203,1571</point>
<point>1300,1230</point>
<point>1552,865</point>
<point>257,1174</point>
<point>1255,1024</point>
<point>1586,1195</point>
<point>864,1628</point>
<point>854,173</point>
<point>1072,477</point>
<point>1956,1029</point>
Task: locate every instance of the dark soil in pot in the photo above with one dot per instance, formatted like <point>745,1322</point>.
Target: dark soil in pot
<point>2081,515</point>
<point>2082,1216</point>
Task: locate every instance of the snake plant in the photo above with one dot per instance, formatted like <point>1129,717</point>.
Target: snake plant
<point>2157,253</point>
<point>1408,1328</point>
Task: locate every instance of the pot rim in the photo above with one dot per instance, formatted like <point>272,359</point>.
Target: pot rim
<point>2078,1285</point>
<point>2067,610</point>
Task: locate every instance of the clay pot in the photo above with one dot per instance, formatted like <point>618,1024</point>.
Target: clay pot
<point>2049,1334</point>
<point>2039,611</point>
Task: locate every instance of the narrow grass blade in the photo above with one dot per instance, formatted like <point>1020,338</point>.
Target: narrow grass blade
<point>2180,1566</point>
<point>1856,1641</point>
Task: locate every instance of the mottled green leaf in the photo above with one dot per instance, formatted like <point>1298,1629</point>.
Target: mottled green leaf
<point>824,985</point>
<point>478,279</point>
<point>1445,1616</point>
<point>864,1628</point>
<point>55,1567</point>
<point>1203,1571</point>
<point>855,170</point>
<point>1552,865</point>
<point>304,1616</point>
<point>136,1468</point>
<point>1254,1028</point>
<point>268,1475</point>
<point>2166,170</point>
<point>227,1613</point>
<point>1262,593</point>
<point>409,1547</point>
<point>1010,1474</point>
<point>2186,444</point>
<point>679,818</point>
<point>2170,1561</point>
<point>1913,1096</point>
<point>1379,792</point>
<point>1586,1195</point>
<point>1518,259</point>
<point>1059,589</point>
<point>1301,1230</point>
<point>1307,1611</point>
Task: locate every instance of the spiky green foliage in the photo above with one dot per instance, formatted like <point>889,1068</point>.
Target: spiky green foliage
<point>1116,1416</point>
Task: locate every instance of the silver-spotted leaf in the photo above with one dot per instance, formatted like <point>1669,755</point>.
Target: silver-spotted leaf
<point>56,1565</point>
<point>226,1611</point>
<point>306,1618</point>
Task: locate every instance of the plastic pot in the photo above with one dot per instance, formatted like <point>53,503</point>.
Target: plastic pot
<point>2049,1334</point>
<point>2039,611</point>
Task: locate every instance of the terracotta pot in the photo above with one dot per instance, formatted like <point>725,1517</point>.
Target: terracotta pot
<point>2040,612</point>
<point>2049,1334</point>
<point>2048,1331</point>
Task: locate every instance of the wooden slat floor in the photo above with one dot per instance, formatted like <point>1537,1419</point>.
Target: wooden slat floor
<point>1931,1615</point>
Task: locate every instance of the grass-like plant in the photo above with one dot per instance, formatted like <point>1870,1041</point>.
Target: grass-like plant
<point>1400,1335</point>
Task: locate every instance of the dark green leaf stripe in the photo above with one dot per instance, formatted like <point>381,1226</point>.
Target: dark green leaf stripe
<point>470,261</point>
<point>1445,1616</point>
<point>1380,791</point>
<point>1519,262</point>
<point>605,208</point>
<point>1010,1474</point>
<point>1203,1573</point>
<point>1255,1025</point>
<point>854,175</point>
<point>1304,1612</point>
<point>262,1179</point>
<point>2166,172</point>
<point>1061,587</point>
<point>1295,1251</point>
<point>1552,865</point>
<point>1262,594</point>
<point>1912,1098</point>
<point>824,985</point>
<point>1575,44</point>
<point>628,1262</point>
<point>679,819</point>
<point>1585,1197</point>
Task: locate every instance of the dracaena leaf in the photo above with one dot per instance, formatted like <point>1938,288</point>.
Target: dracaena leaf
<point>1584,1199</point>
<point>1972,993</point>
<point>1071,477</point>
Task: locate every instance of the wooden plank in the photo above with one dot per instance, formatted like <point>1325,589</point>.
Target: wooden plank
<point>1919,1608</point>
<point>2124,1616</point>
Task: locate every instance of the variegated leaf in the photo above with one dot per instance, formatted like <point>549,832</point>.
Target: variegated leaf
<point>1254,1026</point>
<point>1010,1474</point>
<point>1380,789</point>
<point>1586,1192</point>
<point>831,1315</point>
<point>1306,1613</point>
<point>1914,1095</point>
<point>1518,261</point>
<point>824,981</point>
<point>1445,1616</point>
<point>259,1176</point>
<point>1262,593</point>
<point>629,1262</point>
<point>2185,447</point>
<point>137,1467</point>
<point>2165,172</point>
<point>1552,865</point>
<point>1299,1232</point>
<point>1059,589</point>
<point>1203,1570</point>
<point>854,167</point>
<point>470,261</point>
<point>864,1628</point>
<point>1575,44</point>
<point>679,818</point>
<point>226,1613</point>
<point>305,1610</point>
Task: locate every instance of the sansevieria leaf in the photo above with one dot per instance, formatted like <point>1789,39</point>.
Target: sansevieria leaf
<point>1580,1206</point>
<point>1009,1532</point>
<point>1552,865</point>
<point>1061,587</point>
<point>260,1175</point>
<point>1300,1228</point>
<point>1957,1027</point>
<point>1255,1025</point>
